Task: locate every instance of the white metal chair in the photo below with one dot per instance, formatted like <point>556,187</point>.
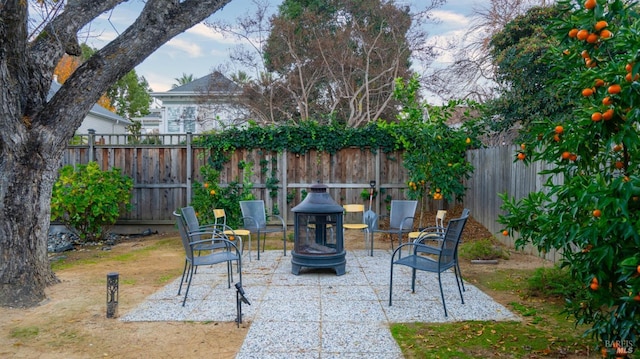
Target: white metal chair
<point>255,219</point>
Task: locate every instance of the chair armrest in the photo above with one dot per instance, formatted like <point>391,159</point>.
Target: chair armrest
<point>425,248</point>
<point>402,224</point>
<point>254,223</point>
<point>227,243</point>
<point>278,217</point>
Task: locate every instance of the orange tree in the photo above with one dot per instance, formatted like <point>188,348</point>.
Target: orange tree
<point>434,152</point>
<point>589,209</point>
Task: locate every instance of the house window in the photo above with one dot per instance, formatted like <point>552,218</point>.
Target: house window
<point>181,119</point>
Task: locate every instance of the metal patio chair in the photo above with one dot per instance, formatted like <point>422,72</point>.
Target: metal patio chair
<point>256,220</point>
<point>401,219</point>
<point>432,259</point>
<point>222,251</point>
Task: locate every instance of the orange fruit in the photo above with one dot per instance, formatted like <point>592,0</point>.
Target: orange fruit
<point>212,192</point>
<point>585,54</point>
<point>628,67</point>
<point>573,33</point>
<point>629,78</point>
<point>594,280</point>
<point>594,286</point>
<point>600,25</point>
<point>582,35</point>
<point>637,298</point>
<point>606,34</point>
<point>523,146</point>
<point>619,165</point>
<point>590,4</point>
<point>608,114</point>
<point>566,155</point>
<point>559,129</point>
<point>607,101</point>
<point>597,213</point>
<point>587,92</point>
<point>506,233</point>
<point>638,269</point>
<point>592,38</point>
<point>599,83</point>
<point>617,148</point>
<point>566,52</point>
<point>573,157</point>
<point>206,185</point>
<point>590,63</point>
<point>556,138</point>
<point>614,89</point>
<point>521,156</point>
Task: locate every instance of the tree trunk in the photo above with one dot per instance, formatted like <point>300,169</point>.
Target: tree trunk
<point>25,197</point>
<point>36,128</point>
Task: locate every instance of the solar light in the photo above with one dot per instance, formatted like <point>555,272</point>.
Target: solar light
<point>240,298</point>
<point>112,294</point>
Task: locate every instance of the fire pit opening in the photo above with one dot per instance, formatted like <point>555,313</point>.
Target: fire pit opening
<point>318,233</point>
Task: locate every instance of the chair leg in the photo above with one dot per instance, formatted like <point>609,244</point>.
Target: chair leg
<point>391,281</point>
<point>413,280</point>
<point>258,236</point>
<point>184,271</point>
<point>444,305</point>
<point>186,292</point>
<point>460,275</point>
<point>458,283</point>
<point>284,242</point>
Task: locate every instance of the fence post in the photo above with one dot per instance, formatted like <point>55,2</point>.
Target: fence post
<point>189,166</point>
<point>92,142</point>
<point>285,185</point>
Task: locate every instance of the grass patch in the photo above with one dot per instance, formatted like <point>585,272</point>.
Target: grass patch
<point>482,340</point>
<point>133,254</point>
<point>484,249</point>
<point>25,332</point>
<point>543,332</point>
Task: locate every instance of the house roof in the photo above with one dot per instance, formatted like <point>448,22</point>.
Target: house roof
<point>96,110</point>
<point>212,83</point>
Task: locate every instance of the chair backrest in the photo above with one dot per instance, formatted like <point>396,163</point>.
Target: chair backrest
<point>190,218</point>
<point>451,239</point>
<point>353,209</point>
<point>253,214</point>
<point>184,235</point>
<point>401,209</point>
<point>440,217</point>
<point>220,217</point>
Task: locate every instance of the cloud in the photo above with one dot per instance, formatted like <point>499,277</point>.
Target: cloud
<point>192,50</point>
<point>451,18</point>
<point>207,32</point>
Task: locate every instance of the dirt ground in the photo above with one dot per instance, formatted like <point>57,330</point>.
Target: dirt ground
<point>72,322</point>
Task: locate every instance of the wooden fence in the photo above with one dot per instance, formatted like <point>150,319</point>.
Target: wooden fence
<point>163,176</point>
<point>497,172</point>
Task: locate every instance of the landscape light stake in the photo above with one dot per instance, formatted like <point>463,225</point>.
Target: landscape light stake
<point>112,294</point>
<point>239,299</point>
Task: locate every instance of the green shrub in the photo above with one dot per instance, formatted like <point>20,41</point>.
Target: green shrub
<point>88,200</point>
<point>484,249</point>
<point>209,195</point>
<point>553,282</point>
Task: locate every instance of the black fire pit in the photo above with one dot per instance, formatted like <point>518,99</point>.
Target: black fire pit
<point>318,234</point>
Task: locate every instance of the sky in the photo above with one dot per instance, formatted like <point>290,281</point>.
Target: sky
<point>200,50</point>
